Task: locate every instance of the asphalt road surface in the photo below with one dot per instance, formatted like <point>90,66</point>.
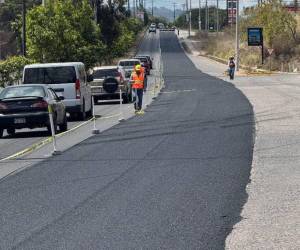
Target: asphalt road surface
<point>172,179</point>
<point>24,138</point>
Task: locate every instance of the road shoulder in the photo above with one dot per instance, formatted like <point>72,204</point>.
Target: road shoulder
<point>270,217</point>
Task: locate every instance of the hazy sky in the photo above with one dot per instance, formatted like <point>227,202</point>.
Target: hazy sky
<point>195,3</point>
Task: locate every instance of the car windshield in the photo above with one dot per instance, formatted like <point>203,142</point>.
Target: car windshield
<point>22,91</point>
<point>50,75</point>
<point>102,73</point>
<point>142,59</point>
<point>128,63</point>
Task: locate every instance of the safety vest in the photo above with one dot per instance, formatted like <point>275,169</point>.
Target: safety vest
<point>138,80</point>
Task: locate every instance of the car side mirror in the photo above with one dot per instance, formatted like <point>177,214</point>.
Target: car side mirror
<point>90,78</point>
<point>61,98</point>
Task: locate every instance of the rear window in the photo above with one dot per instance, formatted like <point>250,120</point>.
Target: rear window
<point>23,91</point>
<point>143,59</point>
<point>51,75</point>
<point>102,73</point>
<point>128,63</point>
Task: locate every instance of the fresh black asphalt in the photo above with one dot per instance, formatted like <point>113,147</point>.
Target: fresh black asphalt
<point>174,178</point>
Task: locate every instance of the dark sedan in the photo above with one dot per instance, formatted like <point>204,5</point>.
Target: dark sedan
<point>150,60</point>
<point>145,63</point>
<point>26,106</point>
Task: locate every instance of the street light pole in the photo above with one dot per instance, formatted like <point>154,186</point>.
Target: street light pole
<point>217,17</point>
<point>237,38</point>
<point>190,26</point>
<point>206,16</point>
<point>199,15</point>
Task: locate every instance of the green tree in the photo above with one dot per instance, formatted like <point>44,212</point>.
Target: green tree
<point>64,31</point>
<point>279,26</point>
<point>11,70</point>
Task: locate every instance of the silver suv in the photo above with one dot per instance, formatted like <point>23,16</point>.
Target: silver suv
<point>108,81</point>
<point>128,65</point>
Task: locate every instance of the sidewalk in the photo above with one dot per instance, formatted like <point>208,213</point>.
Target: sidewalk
<point>271,215</point>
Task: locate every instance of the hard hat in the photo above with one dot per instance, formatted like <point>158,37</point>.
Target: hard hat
<point>138,67</point>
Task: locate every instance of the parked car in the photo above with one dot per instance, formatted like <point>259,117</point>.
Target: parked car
<point>68,80</point>
<point>107,83</point>
<point>26,106</point>
<point>150,60</point>
<point>145,63</point>
<point>128,65</point>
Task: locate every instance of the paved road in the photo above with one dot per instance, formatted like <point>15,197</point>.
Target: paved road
<point>270,218</point>
<point>172,179</point>
<point>10,145</point>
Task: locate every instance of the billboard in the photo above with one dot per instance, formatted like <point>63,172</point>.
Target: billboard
<point>255,37</point>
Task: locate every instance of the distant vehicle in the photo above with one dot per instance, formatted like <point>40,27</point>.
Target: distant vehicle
<point>152,29</point>
<point>150,59</point>
<point>161,26</point>
<point>68,80</point>
<point>145,63</point>
<point>108,81</point>
<point>26,106</point>
<point>128,66</point>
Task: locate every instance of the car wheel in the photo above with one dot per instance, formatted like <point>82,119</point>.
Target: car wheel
<point>1,132</point>
<point>90,113</point>
<point>126,98</point>
<point>82,114</point>
<point>11,131</point>
<point>95,100</point>
<point>64,126</point>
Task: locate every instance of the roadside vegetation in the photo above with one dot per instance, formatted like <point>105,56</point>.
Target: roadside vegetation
<point>67,30</point>
<point>280,31</point>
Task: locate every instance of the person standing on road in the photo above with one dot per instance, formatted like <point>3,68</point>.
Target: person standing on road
<point>137,79</point>
<point>231,67</point>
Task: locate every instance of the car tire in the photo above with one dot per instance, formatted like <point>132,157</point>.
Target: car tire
<point>11,131</point>
<point>64,126</point>
<point>126,98</point>
<point>82,114</point>
<point>90,112</point>
<point>95,100</point>
<point>1,132</point>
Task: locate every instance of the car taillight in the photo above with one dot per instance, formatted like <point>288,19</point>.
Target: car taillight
<point>3,106</point>
<point>40,104</point>
<point>77,89</point>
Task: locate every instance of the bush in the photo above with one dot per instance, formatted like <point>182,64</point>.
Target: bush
<point>11,70</point>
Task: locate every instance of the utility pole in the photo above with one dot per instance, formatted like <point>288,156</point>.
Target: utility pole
<point>24,27</point>
<point>199,15</point>
<point>128,7</point>
<point>237,38</point>
<point>206,16</point>
<point>217,17</point>
<point>174,5</point>
<point>152,7</point>
<point>190,26</point>
<point>134,8</point>
<point>187,14</point>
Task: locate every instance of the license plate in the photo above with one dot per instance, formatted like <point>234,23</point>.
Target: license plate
<point>19,120</point>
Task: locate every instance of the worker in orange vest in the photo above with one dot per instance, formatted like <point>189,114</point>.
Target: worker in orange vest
<point>137,79</point>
